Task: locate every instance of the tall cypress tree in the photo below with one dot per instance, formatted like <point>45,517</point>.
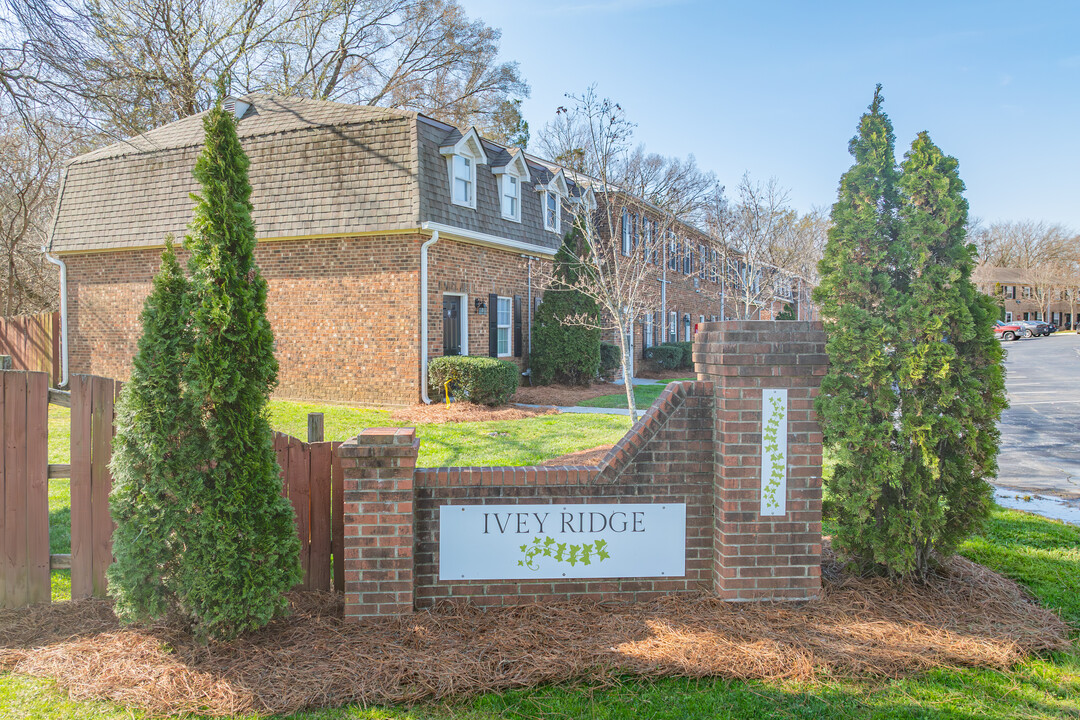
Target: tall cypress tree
<point>949,366</point>
<point>566,352</point>
<point>858,300</point>
<point>242,551</point>
<point>154,448</point>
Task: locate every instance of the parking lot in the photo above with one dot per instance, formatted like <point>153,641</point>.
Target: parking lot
<point>1040,432</point>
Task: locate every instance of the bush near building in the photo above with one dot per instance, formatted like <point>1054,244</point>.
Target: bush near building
<point>480,380</point>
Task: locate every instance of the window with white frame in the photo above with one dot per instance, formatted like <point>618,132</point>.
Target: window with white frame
<point>702,264</point>
<point>688,260</point>
<point>551,211</point>
<point>673,254</point>
<point>463,155</point>
<point>626,233</point>
<point>511,197</point>
<point>464,181</point>
<point>687,335</point>
<point>1008,316</point>
<point>503,326</point>
<point>648,330</point>
<point>673,326</point>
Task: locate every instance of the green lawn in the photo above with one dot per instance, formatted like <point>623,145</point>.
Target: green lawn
<point>644,396</point>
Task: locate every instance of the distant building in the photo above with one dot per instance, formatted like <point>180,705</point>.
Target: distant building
<point>1022,296</point>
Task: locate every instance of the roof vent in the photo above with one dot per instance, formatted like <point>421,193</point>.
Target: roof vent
<point>236,106</point>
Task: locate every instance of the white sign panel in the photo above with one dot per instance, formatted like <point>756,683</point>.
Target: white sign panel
<point>774,409</point>
<point>524,542</point>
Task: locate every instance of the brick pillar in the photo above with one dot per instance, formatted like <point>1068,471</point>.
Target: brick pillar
<point>759,554</point>
<point>378,468</point>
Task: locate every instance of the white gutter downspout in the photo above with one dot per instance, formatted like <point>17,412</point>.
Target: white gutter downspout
<point>423,315</point>
<point>63,316</point>
<point>63,283</point>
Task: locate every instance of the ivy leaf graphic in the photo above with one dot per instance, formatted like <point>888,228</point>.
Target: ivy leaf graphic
<point>524,548</point>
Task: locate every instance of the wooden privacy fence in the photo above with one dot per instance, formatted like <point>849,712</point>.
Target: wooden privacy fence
<point>33,342</point>
<point>24,525</point>
<point>311,479</point>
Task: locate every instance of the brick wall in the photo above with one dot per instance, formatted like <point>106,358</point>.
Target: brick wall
<point>699,444</point>
<point>760,556</point>
<point>344,314</point>
<point>666,457</point>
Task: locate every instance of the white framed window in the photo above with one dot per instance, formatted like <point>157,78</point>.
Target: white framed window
<point>648,330</point>
<point>551,212</point>
<point>464,181</point>
<point>627,231</point>
<point>673,254</point>
<point>687,330</point>
<point>463,155</point>
<point>1008,316</point>
<point>511,177</point>
<point>673,326</point>
<point>702,264</point>
<point>511,197</point>
<point>503,320</point>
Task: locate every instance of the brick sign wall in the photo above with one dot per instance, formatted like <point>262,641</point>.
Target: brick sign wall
<point>699,448</point>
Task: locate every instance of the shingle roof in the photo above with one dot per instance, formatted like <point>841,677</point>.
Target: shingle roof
<point>317,168</point>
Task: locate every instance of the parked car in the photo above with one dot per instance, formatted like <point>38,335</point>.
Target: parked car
<point>1033,328</point>
<point>1052,327</point>
<point>1007,331</point>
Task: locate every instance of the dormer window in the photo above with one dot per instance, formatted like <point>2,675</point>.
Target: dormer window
<point>463,153</point>
<point>553,194</point>
<point>511,176</point>
<point>551,211</point>
<point>464,181</point>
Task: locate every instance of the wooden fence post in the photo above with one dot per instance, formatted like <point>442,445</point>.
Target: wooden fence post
<point>24,488</point>
<point>315,427</point>
<point>92,427</point>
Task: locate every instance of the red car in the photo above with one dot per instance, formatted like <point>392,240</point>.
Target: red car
<point>1007,331</point>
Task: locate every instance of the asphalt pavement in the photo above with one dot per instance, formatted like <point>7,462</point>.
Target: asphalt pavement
<point>1040,431</point>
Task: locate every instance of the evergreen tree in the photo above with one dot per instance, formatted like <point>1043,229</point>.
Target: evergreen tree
<point>241,549</point>
<point>915,386</point>
<point>949,367</point>
<point>152,453</point>
<point>858,300</point>
<point>567,352</point>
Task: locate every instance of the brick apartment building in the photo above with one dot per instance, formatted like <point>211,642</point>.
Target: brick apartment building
<point>362,214</point>
<point>1021,296</point>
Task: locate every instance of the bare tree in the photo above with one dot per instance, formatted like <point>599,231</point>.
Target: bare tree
<point>137,64</point>
<point>622,237</point>
<point>760,245</point>
<point>1023,244</point>
<point>30,163</point>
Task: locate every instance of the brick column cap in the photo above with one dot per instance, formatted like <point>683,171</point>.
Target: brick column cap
<point>375,437</point>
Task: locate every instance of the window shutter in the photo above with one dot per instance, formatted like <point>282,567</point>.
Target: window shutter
<point>517,326</point>
<point>493,325</point>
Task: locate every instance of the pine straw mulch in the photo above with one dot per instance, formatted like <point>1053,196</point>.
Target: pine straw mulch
<point>969,616</point>
<point>563,395</point>
<point>440,412</point>
<point>592,456</point>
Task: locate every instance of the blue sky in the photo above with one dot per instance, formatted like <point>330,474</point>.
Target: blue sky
<point>776,88</point>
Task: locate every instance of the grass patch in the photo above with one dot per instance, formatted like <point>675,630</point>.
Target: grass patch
<point>644,396</point>
<point>1043,555</point>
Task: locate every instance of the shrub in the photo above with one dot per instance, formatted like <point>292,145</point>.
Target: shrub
<point>610,358</point>
<point>664,357</point>
<point>686,360</point>
<point>914,389</point>
<point>481,380</point>
<point>566,353</point>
